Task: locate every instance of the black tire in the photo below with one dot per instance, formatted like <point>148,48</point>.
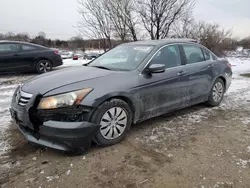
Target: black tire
<point>98,115</point>
<point>211,99</point>
<point>43,66</point>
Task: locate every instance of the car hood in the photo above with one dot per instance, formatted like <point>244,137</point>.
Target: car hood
<point>56,79</point>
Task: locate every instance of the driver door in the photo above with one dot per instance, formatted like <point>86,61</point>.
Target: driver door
<point>9,60</point>
<point>163,92</point>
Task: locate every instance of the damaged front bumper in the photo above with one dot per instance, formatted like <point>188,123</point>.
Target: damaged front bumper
<point>52,133</point>
<point>65,136</point>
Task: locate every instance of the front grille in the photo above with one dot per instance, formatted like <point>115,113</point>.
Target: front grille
<point>22,98</point>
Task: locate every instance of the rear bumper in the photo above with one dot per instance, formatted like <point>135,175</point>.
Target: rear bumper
<point>229,77</point>
<point>57,61</point>
<point>65,136</point>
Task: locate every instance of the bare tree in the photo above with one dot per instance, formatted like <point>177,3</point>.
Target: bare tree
<point>211,35</point>
<point>10,36</point>
<point>124,18</point>
<point>2,37</point>
<point>76,42</point>
<point>22,37</point>
<point>159,15</point>
<point>42,34</point>
<point>95,22</point>
<point>184,27</point>
<point>245,42</point>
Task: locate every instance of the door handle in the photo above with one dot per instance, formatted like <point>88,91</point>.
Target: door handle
<point>210,65</point>
<point>181,73</point>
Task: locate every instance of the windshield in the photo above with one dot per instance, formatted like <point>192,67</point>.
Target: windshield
<point>123,57</point>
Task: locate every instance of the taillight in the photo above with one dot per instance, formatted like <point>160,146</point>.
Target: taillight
<point>75,56</point>
<point>230,65</point>
<point>56,52</point>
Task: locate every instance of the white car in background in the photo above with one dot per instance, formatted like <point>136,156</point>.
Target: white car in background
<point>66,55</point>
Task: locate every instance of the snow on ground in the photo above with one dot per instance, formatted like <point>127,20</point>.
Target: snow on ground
<point>94,51</point>
<point>239,65</point>
<point>239,84</point>
<point>72,63</point>
<point>6,92</point>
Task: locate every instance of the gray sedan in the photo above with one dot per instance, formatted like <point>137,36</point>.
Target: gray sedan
<point>70,108</point>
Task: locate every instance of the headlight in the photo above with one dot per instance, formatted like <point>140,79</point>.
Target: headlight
<point>64,100</point>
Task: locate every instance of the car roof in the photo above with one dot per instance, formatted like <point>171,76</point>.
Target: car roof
<point>20,42</point>
<point>163,41</point>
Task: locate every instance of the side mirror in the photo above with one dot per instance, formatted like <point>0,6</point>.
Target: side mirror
<point>157,68</point>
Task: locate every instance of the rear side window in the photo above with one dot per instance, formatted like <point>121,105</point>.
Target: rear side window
<point>214,57</point>
<point>8,48</point>
<point>193,54</point>
<point>28,48</point>
<point>169,56</point>
<point>207,55</point>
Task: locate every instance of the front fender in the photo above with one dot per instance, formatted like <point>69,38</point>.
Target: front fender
<point>130,98</point>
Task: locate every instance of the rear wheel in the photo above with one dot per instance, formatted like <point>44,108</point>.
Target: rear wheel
<point>43,66</point>
<point>216,93</point>
<point>115,117</point>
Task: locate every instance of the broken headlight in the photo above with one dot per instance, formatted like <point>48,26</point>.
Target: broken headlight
<point>64,100</point>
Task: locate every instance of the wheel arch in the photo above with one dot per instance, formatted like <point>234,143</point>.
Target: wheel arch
<point>42,58</point>
<point>126,98</point>
<point>222,78</point>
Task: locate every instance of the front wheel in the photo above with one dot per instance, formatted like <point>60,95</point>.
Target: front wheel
<point>216,93</point>
<point>115,118</point>
<point>43,66</point>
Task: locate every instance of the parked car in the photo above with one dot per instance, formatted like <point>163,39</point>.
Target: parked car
<point>129,84</point>
<point>22,57</point>
<point>79,55</point>
<point>66,55</point>
<point>91,56</point>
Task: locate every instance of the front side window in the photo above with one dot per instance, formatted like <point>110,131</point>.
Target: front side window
<point>8,48</point>
<point>169,56</point>
<point>123,57</point>
<point>28,48</point>
<point>193,54</point>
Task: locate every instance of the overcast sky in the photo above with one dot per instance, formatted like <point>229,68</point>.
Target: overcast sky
<point>57,18</point>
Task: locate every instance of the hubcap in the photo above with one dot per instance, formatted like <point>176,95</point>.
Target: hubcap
<point>217,92</point>
<point>44,66</point>
<point>113,123</point>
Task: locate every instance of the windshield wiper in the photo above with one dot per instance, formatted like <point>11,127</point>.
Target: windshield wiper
<point>101,67</point>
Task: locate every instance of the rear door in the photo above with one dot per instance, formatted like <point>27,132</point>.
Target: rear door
<point>27,56</point>
<point>199,72</point>
<point>8,56</point>
<point>163,92</point>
